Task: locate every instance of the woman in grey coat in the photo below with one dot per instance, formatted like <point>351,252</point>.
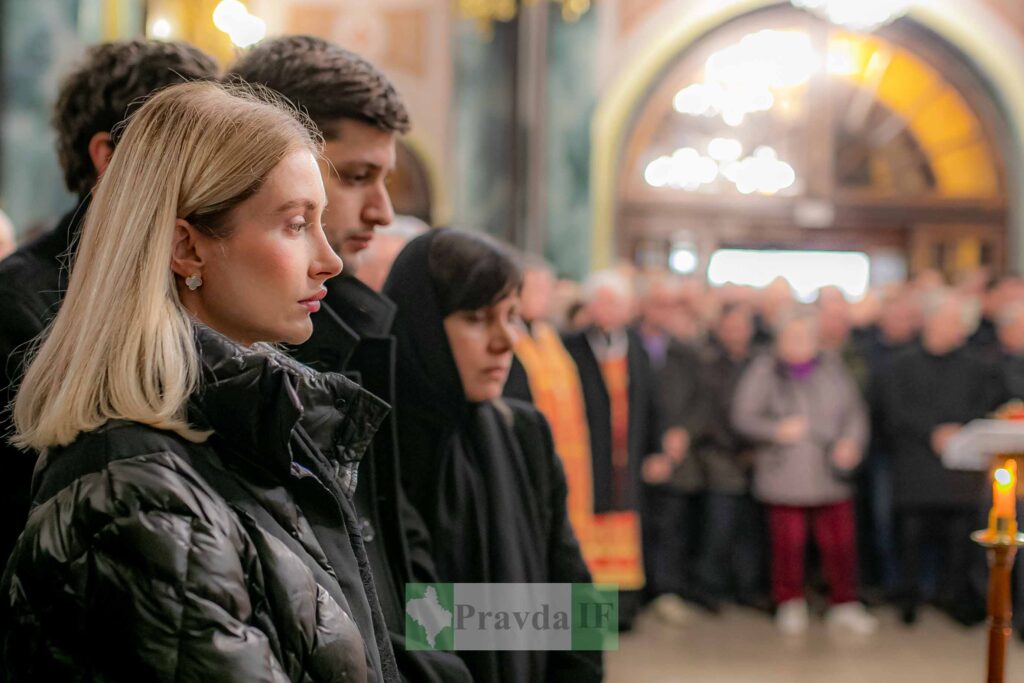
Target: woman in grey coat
<point>804,413</point>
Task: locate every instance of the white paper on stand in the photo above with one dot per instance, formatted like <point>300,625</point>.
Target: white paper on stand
<point>974,446</point>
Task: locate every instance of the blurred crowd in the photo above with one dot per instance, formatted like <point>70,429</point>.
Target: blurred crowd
<point>772,421</point>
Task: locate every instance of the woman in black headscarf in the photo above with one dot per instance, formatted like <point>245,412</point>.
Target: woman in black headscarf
<point>481,470</point>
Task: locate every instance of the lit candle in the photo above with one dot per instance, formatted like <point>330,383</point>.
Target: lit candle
<point>1003,518</point>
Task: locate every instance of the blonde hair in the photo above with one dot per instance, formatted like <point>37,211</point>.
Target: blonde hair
<point>122,345</point>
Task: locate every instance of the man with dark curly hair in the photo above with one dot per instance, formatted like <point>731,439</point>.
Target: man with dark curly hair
<point>111,81</point>
<point>361,115</point>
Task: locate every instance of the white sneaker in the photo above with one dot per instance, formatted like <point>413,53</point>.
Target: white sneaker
<point>791,617</point>
<point>672,610</point>
<point>853,617</point>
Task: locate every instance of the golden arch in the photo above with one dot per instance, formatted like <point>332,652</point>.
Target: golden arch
<point>965,24</point>
<point>947,128</point>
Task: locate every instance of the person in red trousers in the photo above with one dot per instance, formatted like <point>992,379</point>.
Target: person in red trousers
<point>804,412</point>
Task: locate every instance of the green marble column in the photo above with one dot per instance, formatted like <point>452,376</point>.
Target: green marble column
<point>40,41</point>
<point>571,100</point>
<point>484,119</point>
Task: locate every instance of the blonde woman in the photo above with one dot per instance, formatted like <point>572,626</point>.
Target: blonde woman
<point>192,515</point>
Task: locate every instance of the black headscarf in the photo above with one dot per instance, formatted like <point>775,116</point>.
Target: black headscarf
<point>462,467</point>
<point>429,379</point>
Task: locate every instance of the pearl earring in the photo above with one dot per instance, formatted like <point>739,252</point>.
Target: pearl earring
<point>194,281</point>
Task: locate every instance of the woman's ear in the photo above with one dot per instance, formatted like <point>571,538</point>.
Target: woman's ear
<point>101,149</point>
<point>186,259</point>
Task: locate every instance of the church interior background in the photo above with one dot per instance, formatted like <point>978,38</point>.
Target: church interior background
<point>690,134</point>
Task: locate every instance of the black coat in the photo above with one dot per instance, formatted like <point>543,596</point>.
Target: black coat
<point>644,429</point>
<point>985,340</point>
<point>879,354</point>
<point>148,557</point>
<point>352,335</point>
<point>680,405</point>
<point>484,477</point>
<point>724,454</point>
<point>32,282</point>
<point>1012,370</point>
<point>918,392</point>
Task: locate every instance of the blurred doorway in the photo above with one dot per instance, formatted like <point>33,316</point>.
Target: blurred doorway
<point>780,131</point>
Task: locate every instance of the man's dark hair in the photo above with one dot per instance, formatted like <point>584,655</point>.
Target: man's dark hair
<point>470,271</point>
<point>107,86</point>
<point>327,82</point>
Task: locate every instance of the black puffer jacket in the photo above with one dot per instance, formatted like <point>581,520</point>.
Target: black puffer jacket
<point>147,557</point>
<point>32,283</point>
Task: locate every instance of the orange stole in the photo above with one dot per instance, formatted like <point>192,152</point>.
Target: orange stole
<point>616,379</point>
<point>557,394</point>
<point>609,542</point>
<point>615,555</point>
<point>620,555</point>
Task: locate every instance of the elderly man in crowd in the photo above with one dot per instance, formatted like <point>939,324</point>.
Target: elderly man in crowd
<point>927,393</point>
<point>618,393</point>
<point>671,501</point>
<point>732,544</point>
<point>896,329</point>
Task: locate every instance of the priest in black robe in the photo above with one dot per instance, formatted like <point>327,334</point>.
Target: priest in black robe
<point>620,397</point>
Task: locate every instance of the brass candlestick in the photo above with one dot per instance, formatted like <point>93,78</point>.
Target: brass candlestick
<point>1001,544</point>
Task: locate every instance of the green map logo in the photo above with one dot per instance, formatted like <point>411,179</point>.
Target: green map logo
<point>430,616</point>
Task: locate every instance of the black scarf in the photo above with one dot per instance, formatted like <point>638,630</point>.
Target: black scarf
<point>462,465</point>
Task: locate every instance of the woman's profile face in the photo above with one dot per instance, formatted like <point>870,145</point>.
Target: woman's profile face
<point>265,279</point>
<point>482,343</point>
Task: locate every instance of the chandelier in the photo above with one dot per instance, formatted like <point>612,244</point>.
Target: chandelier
<point>857,15</point>
<point>486,12</point>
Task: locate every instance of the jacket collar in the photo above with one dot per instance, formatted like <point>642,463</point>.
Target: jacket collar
<point>367,313</point>
<point>350,312</point>
<point>271,409</point>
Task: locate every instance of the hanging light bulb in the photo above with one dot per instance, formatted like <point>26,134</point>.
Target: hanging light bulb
<point>233,18</point>
<point>228,13</point>
<point>161,29</point>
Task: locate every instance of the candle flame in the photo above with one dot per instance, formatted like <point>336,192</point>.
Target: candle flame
<point>1003,476</point>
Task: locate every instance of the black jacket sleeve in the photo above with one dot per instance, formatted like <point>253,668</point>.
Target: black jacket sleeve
<point>135,573</point>
<point>19,325</point>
